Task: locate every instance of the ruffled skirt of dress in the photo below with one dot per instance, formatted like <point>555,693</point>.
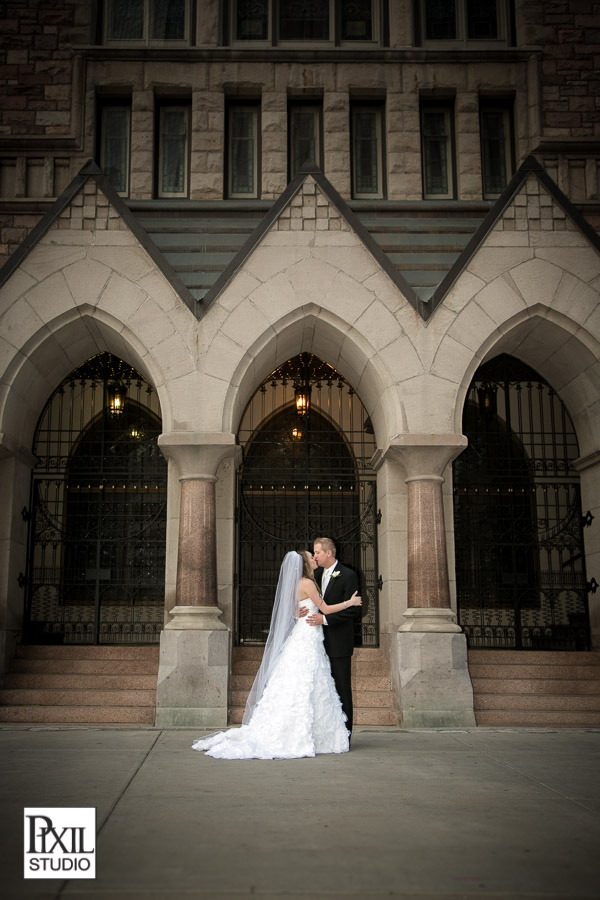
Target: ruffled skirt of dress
<point>299,713</point>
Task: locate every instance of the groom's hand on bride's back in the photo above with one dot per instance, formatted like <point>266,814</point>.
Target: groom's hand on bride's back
<point>302,612</point>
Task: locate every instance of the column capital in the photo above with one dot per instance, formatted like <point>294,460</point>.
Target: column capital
<point>423,455</point>
<point>197,454</point>
<point>587,462</point>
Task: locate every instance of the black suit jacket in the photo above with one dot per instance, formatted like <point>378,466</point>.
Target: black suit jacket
<point>339,631</point>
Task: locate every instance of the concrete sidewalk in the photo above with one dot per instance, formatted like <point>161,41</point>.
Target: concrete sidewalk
<point>479,813</point>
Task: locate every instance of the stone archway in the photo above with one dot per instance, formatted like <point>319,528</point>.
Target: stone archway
<point>307,441</point>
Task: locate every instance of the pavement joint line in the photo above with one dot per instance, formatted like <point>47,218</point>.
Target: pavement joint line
<point>536,781</point>
<point>64,884</point>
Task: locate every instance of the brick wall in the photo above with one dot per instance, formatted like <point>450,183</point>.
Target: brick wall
<point>36,65</point>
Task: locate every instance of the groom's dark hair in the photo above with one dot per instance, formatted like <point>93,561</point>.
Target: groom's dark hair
<point>326,544</point>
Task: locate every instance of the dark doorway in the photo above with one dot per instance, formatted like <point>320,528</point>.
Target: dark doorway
<point>520,568</point>
<point>302,477</point>
<point>97,536</point>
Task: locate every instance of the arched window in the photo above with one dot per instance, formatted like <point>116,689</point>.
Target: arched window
<point>97,536</point>
<point>520,570</point>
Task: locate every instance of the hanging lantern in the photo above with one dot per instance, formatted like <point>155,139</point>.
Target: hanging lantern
<point>116,393</point>
<point>303,398</point>
<point>487,398</point>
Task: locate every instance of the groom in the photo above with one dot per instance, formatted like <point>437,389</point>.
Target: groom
<point>337,584</point>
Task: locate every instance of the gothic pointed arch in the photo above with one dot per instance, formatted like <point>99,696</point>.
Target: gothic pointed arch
<point>98,511</point>
<point>307,442</point>
<point>520,569</point>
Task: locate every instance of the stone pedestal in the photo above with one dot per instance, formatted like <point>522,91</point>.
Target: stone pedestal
<point>193,674</point>
<point>194,666</point>
<point>431,680</point>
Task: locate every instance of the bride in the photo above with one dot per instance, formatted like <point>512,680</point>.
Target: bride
<point>293,708</point>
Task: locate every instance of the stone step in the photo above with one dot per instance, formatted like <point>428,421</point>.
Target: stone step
<point>534,657</point>
<point>362,716</point>
<point>538,718</point>
<point>540,672</point>
<point>93,681</point>
<point>74,697</point>
<point>548,702</point>
<point>374,665</point>
<point>80,715</point>
<point>87,666</point>
<point>557,686</point>
<point>361,699</point>
<point>360,682</point>
<point>256,651</point>
<point>87,651</point>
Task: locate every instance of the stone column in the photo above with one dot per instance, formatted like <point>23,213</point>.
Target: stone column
<point>429,653</point>
<point>194,647</point>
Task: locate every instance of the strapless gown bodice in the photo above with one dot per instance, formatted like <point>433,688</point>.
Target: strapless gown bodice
<point>299,713</point>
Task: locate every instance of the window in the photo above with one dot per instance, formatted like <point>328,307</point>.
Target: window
<point>496,148</point>
<point>242,145</point>
<point>464,22</point>
<point>437,152</point>
<point>146,21</point>
<point>320,21</point>
<point>304,136</point>
<point>367,151</point>
<point>173,129</point>
<point>115,131</point>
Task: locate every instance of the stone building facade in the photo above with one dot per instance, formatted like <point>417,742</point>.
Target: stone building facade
<point>402,191</point>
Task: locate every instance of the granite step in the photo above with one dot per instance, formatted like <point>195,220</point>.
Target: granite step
<point>538,718</point>
<point>87,666</point>
<point>78,715</point>
<point>374,702</point>
<point>75,697</point>
<point>535,688</point>
<point>81,684</point>
<point>539,672</point>
<point>76,681</point>
<point>554,685</point>
<point>534,657</point>
<point>547,702</point>
<point>362,716</point>
<point>87,651</point>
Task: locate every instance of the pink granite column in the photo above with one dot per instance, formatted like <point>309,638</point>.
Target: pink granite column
<point>428,585</point>
<point>197,556</point>
<point>425,458</point>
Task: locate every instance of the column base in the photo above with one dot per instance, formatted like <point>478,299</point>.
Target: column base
<point>201,618</point>
<point>193,678</point>
<point>431,680</point>
<point>430,619</point>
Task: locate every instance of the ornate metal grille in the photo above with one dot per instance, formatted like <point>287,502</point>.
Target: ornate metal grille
<point>304,474</point>
<point>97,530</point>
<point>520,568</point>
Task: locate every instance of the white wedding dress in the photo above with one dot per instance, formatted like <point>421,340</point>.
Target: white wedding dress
<point>299,713</point>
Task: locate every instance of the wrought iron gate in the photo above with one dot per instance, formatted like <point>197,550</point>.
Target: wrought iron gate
<point>307,443</point>
<point>97,524</point>
<point>520,568</point>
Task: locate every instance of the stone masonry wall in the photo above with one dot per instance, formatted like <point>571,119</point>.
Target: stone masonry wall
<point>36,64</point>
<point>569,33</point>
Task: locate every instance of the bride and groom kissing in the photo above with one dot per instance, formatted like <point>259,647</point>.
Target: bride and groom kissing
<point>300,703</point>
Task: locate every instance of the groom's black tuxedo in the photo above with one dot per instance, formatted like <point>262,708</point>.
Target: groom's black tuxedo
<point>339,631</point>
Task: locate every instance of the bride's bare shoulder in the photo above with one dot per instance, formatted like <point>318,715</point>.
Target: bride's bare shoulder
<point>308,588</point>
